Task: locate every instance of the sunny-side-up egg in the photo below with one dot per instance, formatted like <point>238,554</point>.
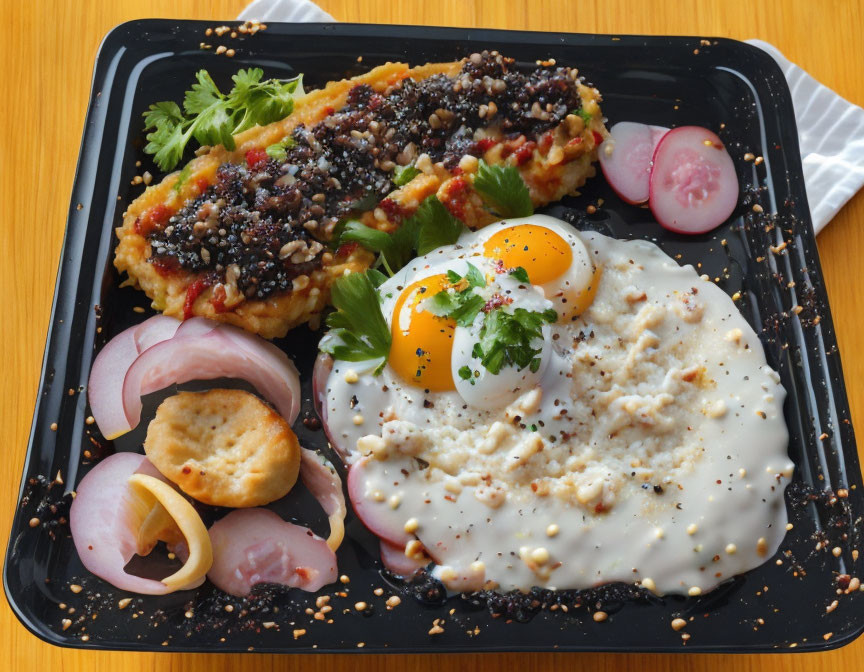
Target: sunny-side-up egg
<point>631,432</point>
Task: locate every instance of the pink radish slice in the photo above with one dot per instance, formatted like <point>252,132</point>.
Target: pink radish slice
<point>224,352</point>
<point>252,546</point>
<point>369,511</point>
<point>694,187</point>
<point>396,561</point>
<point>105,386</point>
<point>625,158</point>
<point>320,375</point>
<point>100,521</point>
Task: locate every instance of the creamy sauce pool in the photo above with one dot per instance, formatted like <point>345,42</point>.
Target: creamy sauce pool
<point>653,449</point>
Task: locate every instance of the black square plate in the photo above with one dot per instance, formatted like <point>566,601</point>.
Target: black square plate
<point>730,87</point>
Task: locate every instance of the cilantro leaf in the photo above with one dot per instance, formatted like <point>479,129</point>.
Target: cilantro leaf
<point>402,175</point>
<point>395,249</point>
<point>461,305</point>
<point>435,225</point>
<point>358,330</point>
<point>465,373</point>
<point>586,116</point>
<point>519,274</point>
<point>430,227</point>
<point>506,338</point>
<point>504,189</point>
<point>214,118</point>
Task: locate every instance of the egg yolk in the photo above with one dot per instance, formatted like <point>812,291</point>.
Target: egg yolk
<point>540,251</point>
<point>422,342</point>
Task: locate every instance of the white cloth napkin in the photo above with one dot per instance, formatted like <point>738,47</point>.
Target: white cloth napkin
<point>830,128</point>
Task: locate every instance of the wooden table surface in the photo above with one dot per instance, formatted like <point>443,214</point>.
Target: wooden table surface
<point>49,51</point>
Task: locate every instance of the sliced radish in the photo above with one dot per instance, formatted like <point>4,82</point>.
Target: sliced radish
<point>321,479</point>
<point>396,561</point>
<point>105,386</point>
<point>252,546</point>
<point>625,158</point>
<point>694,187</point>
<point>373,514</point>
<point>102,520</point>
<point>223,352</point>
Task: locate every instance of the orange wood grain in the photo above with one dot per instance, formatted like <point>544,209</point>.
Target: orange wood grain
<point>48,48</point>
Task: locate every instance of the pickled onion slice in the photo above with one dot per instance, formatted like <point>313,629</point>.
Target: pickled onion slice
<point>104,389</point>
<point>396,561</point>
<point>320,374</point>
<point>252,546</point>
<point>367,509</point>
<point>325,485</point>
<point>223,352</point>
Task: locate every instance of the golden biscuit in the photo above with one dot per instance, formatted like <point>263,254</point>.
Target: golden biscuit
<point>224,447</point>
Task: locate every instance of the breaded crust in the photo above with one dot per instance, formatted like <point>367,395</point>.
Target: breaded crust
<point>224,448</point>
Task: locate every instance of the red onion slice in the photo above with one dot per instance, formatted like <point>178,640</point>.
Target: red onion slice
<point>101,522</point>
<point>105,387</point>
<point>694,187</point>
<point>252,546</point>
<point>368,511</point>
<point>320,375</point>
<point>396,561</point>
<point>224,352</point>
<point>155,330</point>
<point>326,486</point>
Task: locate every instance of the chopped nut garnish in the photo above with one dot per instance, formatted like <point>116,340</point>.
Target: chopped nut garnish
<point>299,633</point>
<point>393,601</point>
<point>831,607</point>
<point>122,604</point>
<point>678,623</point>
<point>35,522</point>
<point>600,616</point>
<point>75,588</point>
<point>361,606</point>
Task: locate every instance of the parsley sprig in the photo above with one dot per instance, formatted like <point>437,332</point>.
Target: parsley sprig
<point>460,302</point>
<point>358,330</point>
<point>214,118</point>
<point>430,227</point>
<point>504,189</point>
<point>506,339</point>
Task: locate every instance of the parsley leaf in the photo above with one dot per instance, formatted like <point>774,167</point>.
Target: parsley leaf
<point>279,150</point>
<point>504,189</point>
<point>506,338</point>
<point>429,228</point>
<point>402,175</point>
<point>358,330</point>
<point>465,374</point>
<point>586,116</point>
<point>462,305</point>
<point>436,227</point>
<point>214,118</point>
<point>519,274</point>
